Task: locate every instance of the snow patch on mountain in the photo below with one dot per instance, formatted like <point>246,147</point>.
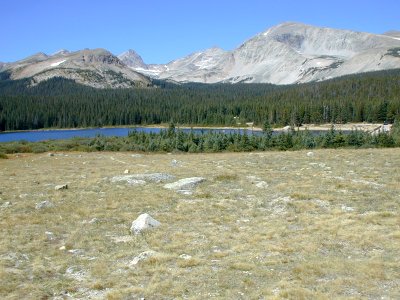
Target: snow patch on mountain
<point>55,64</point>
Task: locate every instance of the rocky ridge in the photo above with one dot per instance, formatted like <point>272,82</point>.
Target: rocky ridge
<point>93,67</point>
<point>285,54</point>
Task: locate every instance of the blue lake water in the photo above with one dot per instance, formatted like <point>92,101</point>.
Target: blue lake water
<point>42,135</point>
<point>61,134</point>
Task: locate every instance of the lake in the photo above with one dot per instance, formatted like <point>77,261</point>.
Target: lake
<point>64,134</point>
<point>61,134</point>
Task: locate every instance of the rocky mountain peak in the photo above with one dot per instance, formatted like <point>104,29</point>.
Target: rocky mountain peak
<point>61,52</point>
<point>132,59</point>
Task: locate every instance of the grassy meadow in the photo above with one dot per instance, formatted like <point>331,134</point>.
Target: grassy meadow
<point>264,225</point>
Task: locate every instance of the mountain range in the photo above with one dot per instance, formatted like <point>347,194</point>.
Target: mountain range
<point>284,54</point>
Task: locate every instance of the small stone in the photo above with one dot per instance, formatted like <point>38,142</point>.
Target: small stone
<point>347,208</point>
<point>185,256</point>
<point>126,171</point>
<point>310,154</point>
<point>94,221</point>
<point>61,187</point>
<point>6,204</point>
<point>262,184</point>
<point>76,252</point>
<point>175,163</point>
<point>143,222</point>
<point>142,256</point>
<point>62,248</point>
<point>50,154</point>
<point>44,204</point>
<point>49,235</point>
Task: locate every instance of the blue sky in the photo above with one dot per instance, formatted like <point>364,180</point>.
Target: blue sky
<point>163,30</point>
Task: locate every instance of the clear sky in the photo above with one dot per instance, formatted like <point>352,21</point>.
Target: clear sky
<point>163,30</point>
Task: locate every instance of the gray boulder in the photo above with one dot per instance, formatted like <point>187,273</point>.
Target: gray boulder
<point>185,183</point>
<point>144,222</point>
<point>44,204</point>
<point>141,257</point>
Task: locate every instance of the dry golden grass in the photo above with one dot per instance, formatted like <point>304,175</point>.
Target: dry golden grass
<point>267,225</point>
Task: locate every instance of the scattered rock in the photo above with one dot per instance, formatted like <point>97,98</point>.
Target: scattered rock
<point>49,235</point>
<point>347,208</point>
<point>141,257</point>
<point>44,204</point>
<point>6,204</point>
<point>136,155</point>
<point>155,177</point>
<point>76,251</point>
<point>76,273</point>
<point>185,192</point>
<point>185,256</point>
<point>175,163</point>
<point>184,184</point>
<point>310,154</point>
<point>143,222</point>
<point>61,187</point>
<point>129,179</point>
<point>126,171</point>
<point>138,179</point>
<point>122,239</point>
<point>262,184</point>
<point>92,221</point>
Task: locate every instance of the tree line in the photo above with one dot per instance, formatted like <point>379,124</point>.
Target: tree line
<point>175,140</point>
<point>62,103</point>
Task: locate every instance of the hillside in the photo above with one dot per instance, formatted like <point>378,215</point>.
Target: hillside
<point>368,97</point>
<point>96,68</point>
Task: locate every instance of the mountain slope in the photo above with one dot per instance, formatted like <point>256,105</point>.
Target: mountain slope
<point>97,68</point>
<point>284,54</point>
<point>393,33</point>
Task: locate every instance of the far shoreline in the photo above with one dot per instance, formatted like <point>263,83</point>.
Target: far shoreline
<point>311,127</point>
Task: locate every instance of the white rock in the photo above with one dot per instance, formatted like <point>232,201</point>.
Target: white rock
<point>175,163</point>
<point>262,184</point>
<point>126,171</point>
<point>185,256</point>
<point>44,204</point>
<point>144,222</point>
<point>49,235</point>
<point>347,208</point>
<point>6,204</point>
<point>76,273</point>
<point>142,256</point>
<point>184,184</point>
<point>310,154</point>
<point>61,187</point>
